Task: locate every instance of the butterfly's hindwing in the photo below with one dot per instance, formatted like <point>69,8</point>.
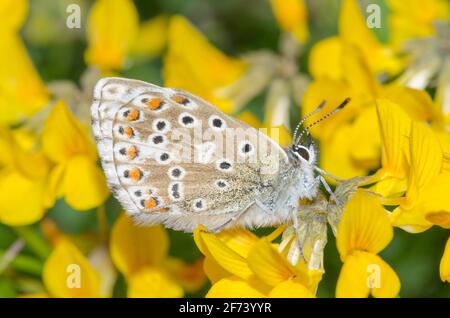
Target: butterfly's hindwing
<point>168,159</point>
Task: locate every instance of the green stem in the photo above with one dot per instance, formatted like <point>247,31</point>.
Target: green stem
<point>26,264</point>
<point>34,241</point>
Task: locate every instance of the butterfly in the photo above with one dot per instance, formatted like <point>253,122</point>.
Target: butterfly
<point>172,158</point>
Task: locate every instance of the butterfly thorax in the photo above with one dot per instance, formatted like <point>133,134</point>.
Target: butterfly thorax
<point>304,183</point>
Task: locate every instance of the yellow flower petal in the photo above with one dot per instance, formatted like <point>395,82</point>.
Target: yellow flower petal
<point>234,287</point>
<point>22,200</point>
<point>414,19</point>
<point>22,92</point>
<point>193,64</point>
<point>431,207</point>
<point>441,218</point>
<point>16,155</point>
<point>394,129</point>
<point>335,154</point>
<point>112,29</point>
<point>213,270</point>
<point>365,150</point>
<point>153,283</point>
<point>353,29</point>
<point>292,16</point>
<point>84,184</point>
<point>152,37</point>
<point>364,273</point>
<point>444,267</point>
<point>67,273</point>
<point>134,247</point>
<point>239,240</point>
<point>357,70</point>
<point>190,276</point>
<point>13,14</point>
<point>416,103</point>
<point>63,137</point>
<point>290,289</point>
<point>55,185</point>
<point>352,26</point>
<point>426,161</point>
<point>325,59</point>
<point>268,264</point>
<point>390,187</point>
<point>273,268</point>
<point>211,246</point>
<point>364,226</point>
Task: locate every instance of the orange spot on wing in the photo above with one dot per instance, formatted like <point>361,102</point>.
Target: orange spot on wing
<point>135,174</point>
<point>155,103</point>
<point>132,152</point>
<point>133,115</point>
<point>151,203</point>
<point>180,99</point>
<point>128,131</point>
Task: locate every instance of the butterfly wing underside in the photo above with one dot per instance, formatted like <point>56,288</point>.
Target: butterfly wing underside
<point>167,158</point>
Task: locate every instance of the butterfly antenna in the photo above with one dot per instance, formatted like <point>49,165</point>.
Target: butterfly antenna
<point>315,111</point>
<point>334,111</point>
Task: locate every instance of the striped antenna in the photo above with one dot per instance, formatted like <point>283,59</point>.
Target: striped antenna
<point>334,111</point>
<point>315,111</point>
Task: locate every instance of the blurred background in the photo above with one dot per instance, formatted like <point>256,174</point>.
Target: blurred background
<point>49,59</point>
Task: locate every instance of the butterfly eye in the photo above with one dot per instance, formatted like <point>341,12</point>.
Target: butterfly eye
<point>302,152</point>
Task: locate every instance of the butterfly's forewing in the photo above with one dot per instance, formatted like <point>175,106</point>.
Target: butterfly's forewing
<point>169,156</point>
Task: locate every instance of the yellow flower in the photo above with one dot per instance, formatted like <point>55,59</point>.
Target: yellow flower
<point>426,200</point>
<point>67,273</point>
<point>202,69</point>
<point>22,92</point>
<point>13,13</point>
<point>239,264</point>
<point>394,126</point>
<point>444,268</point>
<point>292,16</point>
<point>23,181</point>
<point>326,55</point>
<point>363,232</point>
<point>140,254</point>
<point>413,175</point>
<point>112,29</point>
<point>350,142</point>
<point>414,19</point>
<point>190,276</point>
<point>76,175</point>
<point>151,38</point>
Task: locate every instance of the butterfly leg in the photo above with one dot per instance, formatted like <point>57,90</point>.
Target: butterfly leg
<point>297,232</point>
<point>328,189</point>
<point>323,172</point>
